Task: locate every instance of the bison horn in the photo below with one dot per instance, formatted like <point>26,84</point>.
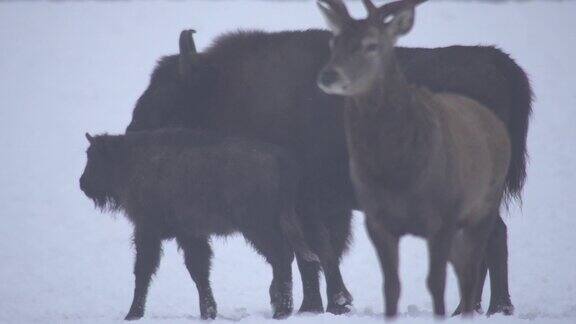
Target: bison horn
<point>187,51</point>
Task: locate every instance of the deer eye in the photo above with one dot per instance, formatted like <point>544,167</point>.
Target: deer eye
<point>372,47</point>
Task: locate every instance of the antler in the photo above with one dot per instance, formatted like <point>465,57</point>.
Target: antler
<point>370,7</point>
<point>393,7</point>
<point>337,6</point>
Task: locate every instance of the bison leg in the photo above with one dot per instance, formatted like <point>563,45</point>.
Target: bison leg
<point>327,230</point>
<point>280,255</point>
<point>338,224</point>
<point>272,244</point>
<point>148,249</point>
<point>281,290</point>
<point>197,255</point>
<point>309,272</point>
<point>497,260</point>
<point>386,245</point>
<point>339,299</point>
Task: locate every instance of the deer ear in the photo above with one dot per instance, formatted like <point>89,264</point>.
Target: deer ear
<point>402,22</point>
<point>89,137</point>
<point>335,14</point>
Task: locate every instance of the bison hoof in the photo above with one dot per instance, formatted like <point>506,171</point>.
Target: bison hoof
<point>504,309</point>
<point>310,308</point>
<point>312,303</point>
<point>282,313</point>
<point>208,307</point>
<point>132,316</point>
<point>282,309</point>
<point>338,309</point>
<point>477,309</point>
<point>281,299</point>
<point>341,303</point>
<point>208,313</point>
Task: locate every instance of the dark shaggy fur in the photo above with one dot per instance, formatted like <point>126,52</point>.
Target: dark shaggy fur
<point>189,185</point>
<point>262,85</point>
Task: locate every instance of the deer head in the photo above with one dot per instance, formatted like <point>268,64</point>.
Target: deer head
<point>362,49</point>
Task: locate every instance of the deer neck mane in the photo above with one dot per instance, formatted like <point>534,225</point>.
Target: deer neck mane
<point>389,128</point>
<point>390,93</point>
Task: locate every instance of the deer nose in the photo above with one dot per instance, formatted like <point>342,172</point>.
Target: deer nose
<point>329,77</point>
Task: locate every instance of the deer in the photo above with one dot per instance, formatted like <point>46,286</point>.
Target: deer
<point>430,164</point>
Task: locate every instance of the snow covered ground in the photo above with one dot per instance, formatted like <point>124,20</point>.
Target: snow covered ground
<point>67,68</point>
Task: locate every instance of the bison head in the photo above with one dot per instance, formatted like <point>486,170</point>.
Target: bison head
<point>99,179</point>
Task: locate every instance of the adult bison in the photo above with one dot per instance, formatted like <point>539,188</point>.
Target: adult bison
<point>263,85</point>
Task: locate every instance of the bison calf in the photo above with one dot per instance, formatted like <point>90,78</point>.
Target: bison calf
<point>189,185</point>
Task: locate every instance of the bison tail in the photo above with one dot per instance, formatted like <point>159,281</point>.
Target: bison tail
<point>518,121</point>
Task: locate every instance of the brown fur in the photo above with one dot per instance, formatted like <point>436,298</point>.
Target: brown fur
<point>434,165</point>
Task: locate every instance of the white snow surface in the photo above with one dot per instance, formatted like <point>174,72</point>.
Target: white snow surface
<point>67,68</point>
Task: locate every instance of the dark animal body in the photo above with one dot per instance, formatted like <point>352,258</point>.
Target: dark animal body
<point>424,163</point>
<point>190,185</point>
<point>263,85</point>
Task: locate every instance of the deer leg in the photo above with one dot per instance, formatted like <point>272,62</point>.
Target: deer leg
<point>483,271</point>
<point>467,272</point>
<point>439,250</point>
<point>197,255</point>
<point>148,250</point>
<point>386,245</point>
<point>497,260</point>
<point>468,251</point>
